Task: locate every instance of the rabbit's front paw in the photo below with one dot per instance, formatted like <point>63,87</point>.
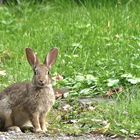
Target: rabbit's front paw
<point>37,130</point>
<point>44,130</point>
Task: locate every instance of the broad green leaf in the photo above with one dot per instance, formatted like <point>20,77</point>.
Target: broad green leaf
<point>85,91</point>
<point>112,82</point>
<point>124,131</point>
<point>90,79</point>
<point>134,80</point>
<point>80,78</point>
<point>126,75</point>
<point>2,72</point>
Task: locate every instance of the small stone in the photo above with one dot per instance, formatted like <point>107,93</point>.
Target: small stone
<point>2,137</point>
<point>7,134</point>
<point>12,132</point>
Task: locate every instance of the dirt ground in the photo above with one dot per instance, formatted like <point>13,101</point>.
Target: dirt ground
<point>31,136</point>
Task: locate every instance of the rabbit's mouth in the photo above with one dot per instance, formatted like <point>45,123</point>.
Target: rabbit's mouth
<point>40,84</point>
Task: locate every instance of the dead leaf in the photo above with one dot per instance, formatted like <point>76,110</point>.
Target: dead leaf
<point>58,77</point>
<point>67,107</point>
<point>91,108</point>
<point>60,93</point>
<point>102,130</point>
<point>112,92</point>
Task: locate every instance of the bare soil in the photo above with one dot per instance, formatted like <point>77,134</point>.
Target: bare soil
<point>31,136</point>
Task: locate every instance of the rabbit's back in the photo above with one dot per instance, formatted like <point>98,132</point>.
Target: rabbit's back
<point>14,93</point>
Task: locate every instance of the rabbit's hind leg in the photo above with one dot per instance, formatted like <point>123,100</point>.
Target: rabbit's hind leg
<point>8,119</point>
<point>14,128</point>
<point>9,126</point>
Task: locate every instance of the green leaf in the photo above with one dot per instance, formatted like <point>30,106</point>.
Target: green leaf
<point>126,75</point>
<point>80,78</point>
<point>85,91</point>
<point>124,131</point>
<point>90,79</point>
<point>112,82</point>
<point>134,80</point>
<point>2,72</point>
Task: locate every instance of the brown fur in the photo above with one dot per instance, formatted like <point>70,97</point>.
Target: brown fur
<point>29,102</point>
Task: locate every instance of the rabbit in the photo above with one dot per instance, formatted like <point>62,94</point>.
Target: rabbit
<point>29,102</point>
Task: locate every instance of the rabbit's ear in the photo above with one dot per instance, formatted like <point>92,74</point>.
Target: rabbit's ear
<point>51,57</point>
<point>31,57</point>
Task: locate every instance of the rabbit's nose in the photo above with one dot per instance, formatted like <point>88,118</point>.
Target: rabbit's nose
<point>41,81</point>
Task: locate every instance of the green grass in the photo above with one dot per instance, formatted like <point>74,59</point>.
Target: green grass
<point>101,40</point>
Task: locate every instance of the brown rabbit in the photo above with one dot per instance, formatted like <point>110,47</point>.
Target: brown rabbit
<point>29,102</point>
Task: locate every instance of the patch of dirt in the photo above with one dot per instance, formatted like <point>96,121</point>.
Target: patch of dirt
<point>31,136</point>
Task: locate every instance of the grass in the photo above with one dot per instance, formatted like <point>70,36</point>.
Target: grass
<point>118,118</point>
<point>102,40</point>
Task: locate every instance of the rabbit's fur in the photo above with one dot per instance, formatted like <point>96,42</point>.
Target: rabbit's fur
<point>29,102</point>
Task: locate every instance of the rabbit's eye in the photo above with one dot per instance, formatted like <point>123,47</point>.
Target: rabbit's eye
<point>35,72</point>
<point>47,72</point>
